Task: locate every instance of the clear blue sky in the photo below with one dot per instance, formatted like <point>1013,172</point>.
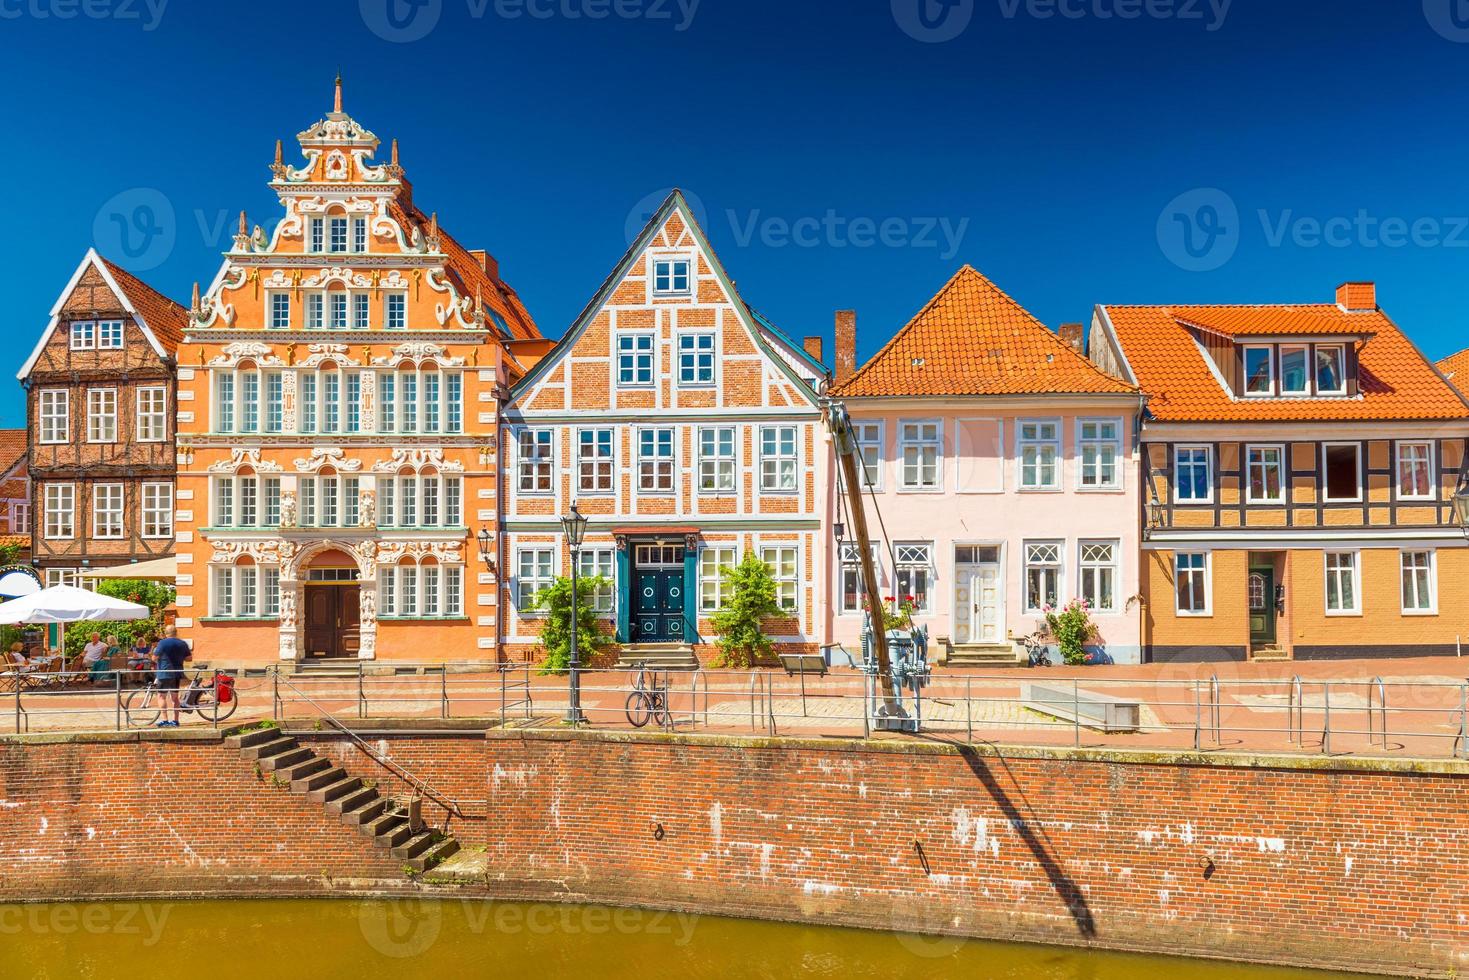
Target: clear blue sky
<point>1049,147</point>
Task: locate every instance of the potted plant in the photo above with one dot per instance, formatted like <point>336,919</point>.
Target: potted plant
<point>1072,627</point>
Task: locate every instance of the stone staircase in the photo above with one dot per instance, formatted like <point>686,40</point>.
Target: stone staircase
<point>982,656</point>
<point>341,795</point>
<point>659,656</point>
<point>1269,653</point>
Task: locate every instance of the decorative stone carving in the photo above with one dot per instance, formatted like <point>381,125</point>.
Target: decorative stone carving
<point>417,458</point>
<point>288,401</point>
<point>288,508</point>
<point>367,508</point>
<point>323,456</point>
<point>242,456</point>
<point>446,552</point>
<point>264,552</point>
<point>320,353</point>
<point>419,352</point>
<point>336,166</point>
<point>233,354</point>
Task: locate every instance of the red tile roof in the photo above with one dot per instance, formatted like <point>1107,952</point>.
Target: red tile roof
<point>973,339</point>
<point>1397,381</point>
<point>163,316</point>
<point>1455,367</point>
<point>12,448</point>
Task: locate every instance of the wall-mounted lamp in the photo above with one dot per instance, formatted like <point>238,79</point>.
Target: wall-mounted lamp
<point>486,551</point>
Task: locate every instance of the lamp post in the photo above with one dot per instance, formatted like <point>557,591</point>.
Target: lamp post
<point>575,526</point>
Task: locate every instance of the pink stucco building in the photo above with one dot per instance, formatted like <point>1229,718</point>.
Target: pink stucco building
<point>1004,477</point>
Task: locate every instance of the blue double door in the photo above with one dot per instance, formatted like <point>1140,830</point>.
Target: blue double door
<point>658,595</point>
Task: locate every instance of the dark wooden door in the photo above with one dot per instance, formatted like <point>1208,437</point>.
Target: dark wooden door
<point>1262,606</point>
<point>658,606</point>
<point>333,616</point>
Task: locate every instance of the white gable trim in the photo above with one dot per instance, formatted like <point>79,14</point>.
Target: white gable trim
<point>93,260</point>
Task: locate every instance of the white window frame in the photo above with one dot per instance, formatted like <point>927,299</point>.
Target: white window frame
<point>539,466</point>
<point>80,339</point>
<point>1431,609</point>
<point>537,582</point>
<point>906,558</point>
<point>1084,443</point>
<point>113,508</point>
<point>99,415</point>
<point>48,400</point>
<point>1024,444</point>
<point>52,499</point>
<point>1208,451</point>
<point>1058,566</point>
<point>1355,569</point>
<point>849,559</point>
<point>156,510</point>
<point>776,465</point>
<point>1207,574</point>
<point>636,354</point>
<point>787,585</point>
<point>1326,448</point>
<point>718,469</point>
<point>691,357</point>
<point>870,437</point>
<point>712,590</point>
<point>280,312</point>
<point>1307,371</point>
<point>1245,351</point>
<point>111,331</point>
<point>595,473</point>
<point>1428,447</point>
<point>1341,363</point>
<point>672,262</point>
<point>663,468</point>
<point>1114,566</point>
<point>152,420</point>
<point>911,435</point>
<point>63,576</point>
<point>1250,450</point>
<point>395,310</point>
<point>600,561</point>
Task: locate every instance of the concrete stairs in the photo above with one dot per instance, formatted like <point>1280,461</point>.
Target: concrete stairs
<point>342,796</point>
<point>659,656</point>
<point>1269,653</point>
<point>983,656</point>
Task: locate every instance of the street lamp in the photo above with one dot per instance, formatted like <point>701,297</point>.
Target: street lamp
<point>486,550</point>
<point>1461,508</point>
<point>575,527</point>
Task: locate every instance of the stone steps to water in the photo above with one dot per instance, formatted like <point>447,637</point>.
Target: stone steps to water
<point>343,797</point>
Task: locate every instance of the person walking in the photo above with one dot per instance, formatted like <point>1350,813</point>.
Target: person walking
<point>170,654</point>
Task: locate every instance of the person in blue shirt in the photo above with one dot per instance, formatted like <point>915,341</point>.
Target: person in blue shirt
<point>170,655</point>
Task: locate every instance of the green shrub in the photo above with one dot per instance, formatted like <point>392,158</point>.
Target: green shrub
<point>155,595</point>
<point>753,598</point>
<point>555,635</point>
<point>1072,626</point>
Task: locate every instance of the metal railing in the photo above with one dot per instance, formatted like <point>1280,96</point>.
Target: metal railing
<point>1411,718</point>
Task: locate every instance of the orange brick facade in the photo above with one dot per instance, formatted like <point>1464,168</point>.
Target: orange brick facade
<point>338,406</point>
<point>687,429</point>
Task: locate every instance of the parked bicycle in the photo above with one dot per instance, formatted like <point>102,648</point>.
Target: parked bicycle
<point>213,702</point>
<point>1036,649</point>
<point>648,700</point>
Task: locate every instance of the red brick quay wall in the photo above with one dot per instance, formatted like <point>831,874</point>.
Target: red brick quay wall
<point>1349,863</point>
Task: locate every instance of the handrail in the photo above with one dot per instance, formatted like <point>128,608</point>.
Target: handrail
<point>1295,717</point>
<point>1461,740</point>
<point>421,786</point>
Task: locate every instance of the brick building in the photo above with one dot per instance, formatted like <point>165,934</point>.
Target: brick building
<point>338,391</point>
<point>687,428</point>
<point>1299,467</point>
<point>15,492</point>
<point>99,404</point>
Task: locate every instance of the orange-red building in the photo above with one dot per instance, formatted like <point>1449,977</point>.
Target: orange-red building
<point>339,391</point>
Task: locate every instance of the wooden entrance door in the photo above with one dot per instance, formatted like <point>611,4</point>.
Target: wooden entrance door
<point>658,599</point>
<point>1262,607</point>
<point>333,617</point>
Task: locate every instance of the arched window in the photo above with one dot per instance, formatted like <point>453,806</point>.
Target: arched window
<point>420,398</point>
<point>420,498</point>
<point>245,590</point>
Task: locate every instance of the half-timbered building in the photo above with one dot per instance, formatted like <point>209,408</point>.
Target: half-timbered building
<point>99,403</point>
<point>1300,464</point>
<point>338,392</point>
<point>687,428</point>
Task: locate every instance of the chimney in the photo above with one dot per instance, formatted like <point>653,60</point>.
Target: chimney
<point>813,347</point>
<point>487,262</point>
<point>1073,335</point>
<point>845,353</point>
<point>1357,297</point>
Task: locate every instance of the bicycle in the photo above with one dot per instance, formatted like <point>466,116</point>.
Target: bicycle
<point>213,702</point>
<point>647,702</point>
<point>1035,649</point>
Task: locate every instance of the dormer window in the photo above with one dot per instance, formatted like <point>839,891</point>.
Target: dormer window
<point>1259,371</point>
<point>1295,369</point>
<point>1331,371</point>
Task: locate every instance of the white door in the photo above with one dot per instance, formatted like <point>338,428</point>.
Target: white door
<point>977,604</point>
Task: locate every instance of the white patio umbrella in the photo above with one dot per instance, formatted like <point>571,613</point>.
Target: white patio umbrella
<point>68,604</point>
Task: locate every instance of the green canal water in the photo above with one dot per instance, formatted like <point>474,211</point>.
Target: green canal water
<point>451,939</point>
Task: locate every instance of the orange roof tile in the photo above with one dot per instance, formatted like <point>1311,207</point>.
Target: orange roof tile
<point>1455,367</point>
<point>12,448</point>
<point>163,316</point>
<point>973,339</point>
<point>1397,381</point>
